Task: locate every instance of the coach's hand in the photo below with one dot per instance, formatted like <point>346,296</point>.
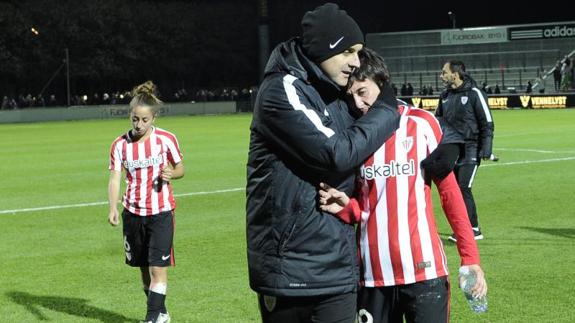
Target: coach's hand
<point>113,217</point>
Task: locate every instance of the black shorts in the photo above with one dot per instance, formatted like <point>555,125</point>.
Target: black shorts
<point>422,302</point>
<point>340,308</point>
<point>148,240</point>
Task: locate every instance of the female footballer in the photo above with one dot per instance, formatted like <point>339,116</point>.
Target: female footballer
<point>151,158</point>
<point>403,265</point>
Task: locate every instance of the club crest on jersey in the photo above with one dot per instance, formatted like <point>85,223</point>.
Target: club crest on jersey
<point>464,99</point>
<point>407,143</point>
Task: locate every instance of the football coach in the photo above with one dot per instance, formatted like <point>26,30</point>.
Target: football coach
<point>302,261</point>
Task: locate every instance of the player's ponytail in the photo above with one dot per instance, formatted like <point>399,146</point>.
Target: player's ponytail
<point>145,94</point>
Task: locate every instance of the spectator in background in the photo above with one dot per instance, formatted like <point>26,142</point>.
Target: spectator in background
<point>302,262</point>
<point>245,94</point>
<point>403,89</point>
<point>5,103</point>
<point>423,90</point>
<point>202,95</point>
<point>23,101</point>
<point>225,95</point>
<point>394,88</point>
<point>557,76</point>
<point>409,89</point>
<point>114,98</point>
<point>566,75</point>
<point>233,94</point>
<point>430,90</point>
<point>540,82</point>
<point>211,96</point>
<point>184,95</point>
<point>40,102</point>
<point>496,90</point>
<point>52,102</point>
<point>529,88</point>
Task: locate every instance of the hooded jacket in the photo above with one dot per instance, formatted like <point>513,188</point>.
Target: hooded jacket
<point>302,133</point>
<point>465,118</point>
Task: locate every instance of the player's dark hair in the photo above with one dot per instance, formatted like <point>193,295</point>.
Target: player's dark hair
<point>145,94</point>
<point>372,66</point>
<point>457,66</point>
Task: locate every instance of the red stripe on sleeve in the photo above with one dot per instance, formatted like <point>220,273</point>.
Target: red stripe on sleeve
<point>456,213</point>
<point>436,244</point>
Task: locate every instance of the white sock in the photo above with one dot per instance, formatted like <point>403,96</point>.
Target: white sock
<point>159,288</point>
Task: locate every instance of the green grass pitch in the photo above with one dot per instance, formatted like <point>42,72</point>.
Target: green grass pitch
<point>65,264</point>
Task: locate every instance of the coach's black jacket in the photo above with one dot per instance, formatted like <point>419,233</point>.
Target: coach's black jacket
<point>302,133</point>
<point>465,118</point>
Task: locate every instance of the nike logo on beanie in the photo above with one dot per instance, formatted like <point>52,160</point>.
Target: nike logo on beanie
<point>332,46</point>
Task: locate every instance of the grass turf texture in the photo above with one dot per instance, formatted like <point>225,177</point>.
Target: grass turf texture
<point>66,264</point>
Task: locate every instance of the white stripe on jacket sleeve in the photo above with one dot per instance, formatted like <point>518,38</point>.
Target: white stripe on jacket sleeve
<point>483,104</point>
<point>294,101</point>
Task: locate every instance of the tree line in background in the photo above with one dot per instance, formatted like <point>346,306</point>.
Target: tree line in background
<point>114,44</point>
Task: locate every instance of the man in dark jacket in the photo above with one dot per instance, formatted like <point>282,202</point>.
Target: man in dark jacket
<point>467,134</point>
<point>302,261</point>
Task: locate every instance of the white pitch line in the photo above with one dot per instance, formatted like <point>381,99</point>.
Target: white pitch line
<point>535,151</point>
<point>528,162</point>
<point>67,206</point>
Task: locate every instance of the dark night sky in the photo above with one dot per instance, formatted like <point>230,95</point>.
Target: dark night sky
<point>207,42</point>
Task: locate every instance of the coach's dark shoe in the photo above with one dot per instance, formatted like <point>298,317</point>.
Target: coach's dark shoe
<point>452,238</point>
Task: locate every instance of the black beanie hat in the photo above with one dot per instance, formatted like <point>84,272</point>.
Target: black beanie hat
<point>328,31</point>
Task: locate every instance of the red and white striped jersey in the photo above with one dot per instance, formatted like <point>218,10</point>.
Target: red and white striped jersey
<point>146,193</point>
<point>397,235</point>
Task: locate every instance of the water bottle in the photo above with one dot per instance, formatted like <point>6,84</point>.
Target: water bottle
<point>467,280</point>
